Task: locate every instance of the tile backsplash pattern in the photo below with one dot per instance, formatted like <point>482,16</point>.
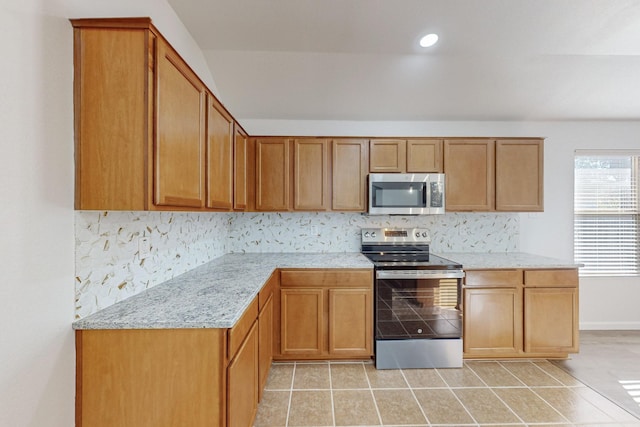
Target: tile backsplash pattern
<point>109,269</point>
<point>108,266</point>
<point>340,232</point>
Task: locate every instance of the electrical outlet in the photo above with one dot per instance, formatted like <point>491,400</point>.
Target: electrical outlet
<point>144,247</point>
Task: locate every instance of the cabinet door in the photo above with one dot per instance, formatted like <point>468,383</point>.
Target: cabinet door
<point>388,155</point>
<point>469,169</point>
<point>219,156</point>
<point>179,149</point>
<point>240,170</point>
<point>424,155</point>
<point>272,174</point>
<point>301,321</point>
<point>519,175</point>
<point>350,322</point>
<point>113,110</point>
<point>551,320</point>
<point>350,165</point>
<point>242,383</point>
<point>492,321</point>
<point>265,343</point>
<point>310,174</point>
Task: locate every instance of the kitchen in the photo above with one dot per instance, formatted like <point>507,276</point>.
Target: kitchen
<point>39,245</point>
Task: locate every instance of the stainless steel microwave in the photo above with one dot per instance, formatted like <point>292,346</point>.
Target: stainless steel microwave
<point>406,193</point>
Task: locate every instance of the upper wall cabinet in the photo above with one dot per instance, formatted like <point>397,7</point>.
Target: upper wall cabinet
<point>350,164</point>
<point>240,172</point>
<point>220,143</point>
<point>494,175</point>
<point>311,175</point>
<point>180,133</point>
<point>405,156</point>
<point>147,136</point>
<point>113,109</point>
<point>272,169</point>
<point>468,166</point>
<point>519,175</point>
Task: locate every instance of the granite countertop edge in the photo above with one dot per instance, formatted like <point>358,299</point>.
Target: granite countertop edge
<point>216,294</point>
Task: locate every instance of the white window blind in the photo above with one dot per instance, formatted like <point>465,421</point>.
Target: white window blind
<point>606,214</point>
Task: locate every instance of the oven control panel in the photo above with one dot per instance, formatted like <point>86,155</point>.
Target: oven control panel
<point>395,235</point>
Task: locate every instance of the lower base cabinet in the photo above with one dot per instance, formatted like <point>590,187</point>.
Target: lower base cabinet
<point>243,382</point>
<point>520,313</point>
<point>493,321</point>
<point>326,314</point>
<point>151,377</point>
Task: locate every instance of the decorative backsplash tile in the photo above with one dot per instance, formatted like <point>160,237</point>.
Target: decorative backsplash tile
<point>340,232</point>
<point>109,268</point>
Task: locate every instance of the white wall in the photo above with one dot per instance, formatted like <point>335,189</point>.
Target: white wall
<point>604,303</point>
<point>37,359</point>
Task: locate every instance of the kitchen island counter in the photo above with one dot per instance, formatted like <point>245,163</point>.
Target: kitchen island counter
<point>214,295</point>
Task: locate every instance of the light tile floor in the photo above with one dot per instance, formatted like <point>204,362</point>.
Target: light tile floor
<point>499,393</point>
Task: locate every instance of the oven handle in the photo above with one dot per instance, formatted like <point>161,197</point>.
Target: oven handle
<point>419,274</point>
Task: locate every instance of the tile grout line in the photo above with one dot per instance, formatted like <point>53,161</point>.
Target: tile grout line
<point>293,376</point>
<point>373,396</point>
<point>456,396</point>
<point>415,398</point>
<point>499,398</point>
<point>529,388</point>
<point>333,409</point>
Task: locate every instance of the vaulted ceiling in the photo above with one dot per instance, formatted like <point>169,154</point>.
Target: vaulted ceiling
<point>360,60</point>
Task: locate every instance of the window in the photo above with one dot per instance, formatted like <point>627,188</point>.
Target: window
<point>607,214</point>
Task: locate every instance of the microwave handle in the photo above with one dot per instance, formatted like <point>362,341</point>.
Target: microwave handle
<point>424,195</point>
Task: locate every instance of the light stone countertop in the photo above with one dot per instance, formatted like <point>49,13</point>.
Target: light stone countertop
<point>505,260</point>
<point>216,294</point>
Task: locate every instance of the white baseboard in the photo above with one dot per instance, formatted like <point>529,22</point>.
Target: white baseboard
<point>609,326</point>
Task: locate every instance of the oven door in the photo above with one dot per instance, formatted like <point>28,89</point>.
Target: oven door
<point>418,304</point>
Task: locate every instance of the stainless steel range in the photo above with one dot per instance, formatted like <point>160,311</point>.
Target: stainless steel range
<point>418,316</point>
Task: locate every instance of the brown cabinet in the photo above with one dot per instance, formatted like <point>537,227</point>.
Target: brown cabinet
<point>266,329</point>
<point>301,321</point>
<point>516,313</point>
<point>272,169</point>
<point>151,377</point>
<point>147,135</point>
<point>494,175</point>
<point>492,313</point>
<point>113,115</point>
<point>316,306</point>
<point>240,172</point>
<point>350,166</point>
<point>551,311</point>
<point>424,155</point>
<point>387,155</point>
<point>243,382</point>
<point>220,144</point>
<point>469,174</point>
<point>519,175</point>
<point>400,155</point>
<point>311,175</point>
<point>180,125</point>
<point>350,307</point>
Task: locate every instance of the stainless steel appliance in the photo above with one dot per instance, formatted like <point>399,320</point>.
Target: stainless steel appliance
<point>406,193</point>
<point>418,313</point>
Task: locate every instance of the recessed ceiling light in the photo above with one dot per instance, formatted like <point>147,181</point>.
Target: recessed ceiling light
<point>429,40</point>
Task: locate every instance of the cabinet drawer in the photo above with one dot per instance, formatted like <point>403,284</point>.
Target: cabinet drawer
<point>563,278</point>
<point>241,329</point>
<point>493,278</point>
<point>333,278</point>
